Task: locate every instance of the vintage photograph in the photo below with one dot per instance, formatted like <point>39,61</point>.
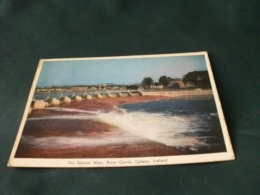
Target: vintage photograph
<point>122,111</point>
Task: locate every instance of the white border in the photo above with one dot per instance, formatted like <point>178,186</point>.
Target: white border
<point>124,162</point>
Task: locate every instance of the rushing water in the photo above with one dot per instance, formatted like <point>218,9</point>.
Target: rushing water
<point>191,126</point>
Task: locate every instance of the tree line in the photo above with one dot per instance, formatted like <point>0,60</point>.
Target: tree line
<point>196,78</point>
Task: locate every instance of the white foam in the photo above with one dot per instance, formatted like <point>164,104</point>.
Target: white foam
<point>167,130</point>
<point>72,142</point>
<point>62,117</point>
<point>59,109</point>
<point>159,127</point>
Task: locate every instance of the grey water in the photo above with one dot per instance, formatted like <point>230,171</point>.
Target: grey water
<point>190,118</point>
<point>190,125</point>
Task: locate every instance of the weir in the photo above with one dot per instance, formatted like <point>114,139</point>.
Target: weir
<point>52,101</point>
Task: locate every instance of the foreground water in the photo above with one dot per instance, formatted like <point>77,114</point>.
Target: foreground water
<point>190,126</point>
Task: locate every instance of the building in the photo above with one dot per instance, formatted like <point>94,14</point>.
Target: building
<point>176,83</point>
<point>156,86</point>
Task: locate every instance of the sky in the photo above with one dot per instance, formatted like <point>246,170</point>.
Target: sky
<point>117,70</point>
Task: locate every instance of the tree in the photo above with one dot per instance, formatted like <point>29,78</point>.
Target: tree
<point>164,81</point>
<point>198,78</point>
<point>147,82</point>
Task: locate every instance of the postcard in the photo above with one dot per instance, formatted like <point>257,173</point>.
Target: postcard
<point>122,111</point>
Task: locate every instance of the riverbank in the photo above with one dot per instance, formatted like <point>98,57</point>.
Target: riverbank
<point>186,94</point>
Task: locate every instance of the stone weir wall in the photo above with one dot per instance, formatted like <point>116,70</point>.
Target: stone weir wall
<point>41,104</point>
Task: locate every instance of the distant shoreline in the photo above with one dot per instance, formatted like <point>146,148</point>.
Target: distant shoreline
<point>168,93</point>
<point>181,93</point>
